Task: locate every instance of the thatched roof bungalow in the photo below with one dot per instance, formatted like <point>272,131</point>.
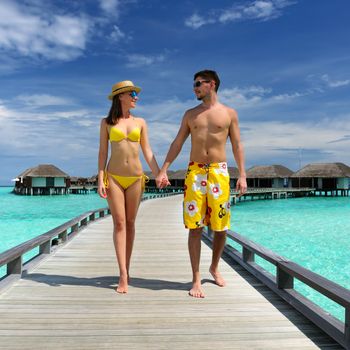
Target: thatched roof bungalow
<point>275,176</point>
<point>92,181</point>
<point>42,179</point>
<point>177,178</point>
<point>323,176</point>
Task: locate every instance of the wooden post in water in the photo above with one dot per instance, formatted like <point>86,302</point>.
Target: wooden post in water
<point>248,255</point>
<point>284,279</point>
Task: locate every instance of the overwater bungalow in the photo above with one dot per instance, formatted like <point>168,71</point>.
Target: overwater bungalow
<point>234,175</point>
<point>92,181</point>
<point>273,176</point>
<point>326,178</point>
<point>44,179</point>
<point>177,178</point>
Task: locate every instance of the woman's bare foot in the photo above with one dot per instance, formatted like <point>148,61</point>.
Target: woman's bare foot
<point>217,278</point>
<point>122,285</point>
<point>196,291</point>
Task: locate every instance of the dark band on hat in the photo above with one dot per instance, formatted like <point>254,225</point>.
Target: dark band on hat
<point>123,87</point>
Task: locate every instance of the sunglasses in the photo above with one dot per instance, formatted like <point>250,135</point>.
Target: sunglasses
<point>133,94</point>
<point>198,83</point>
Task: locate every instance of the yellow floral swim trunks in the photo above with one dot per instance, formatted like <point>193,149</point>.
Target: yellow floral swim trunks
<point>207,196</point>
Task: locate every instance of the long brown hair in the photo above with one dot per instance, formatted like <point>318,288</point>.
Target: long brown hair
<point>115,112</point>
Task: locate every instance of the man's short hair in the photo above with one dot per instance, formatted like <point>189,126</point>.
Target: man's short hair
<point>209,75</point>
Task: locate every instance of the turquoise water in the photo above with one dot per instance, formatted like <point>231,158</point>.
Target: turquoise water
<point>25,217</point>
<point>313,232</point>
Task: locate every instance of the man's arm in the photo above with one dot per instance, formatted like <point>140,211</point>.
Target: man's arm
<point>174,150</point>
<point>238,152</point>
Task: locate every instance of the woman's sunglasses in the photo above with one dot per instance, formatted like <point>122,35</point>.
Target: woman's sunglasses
<point>198,83</point>
<point>133,94</point>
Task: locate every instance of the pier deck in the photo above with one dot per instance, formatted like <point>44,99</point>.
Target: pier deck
<point>68,301</point>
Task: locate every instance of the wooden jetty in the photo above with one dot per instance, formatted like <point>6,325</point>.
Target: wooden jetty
<point>253,193</point>
<point>82,189</point>
<point>68,301</point>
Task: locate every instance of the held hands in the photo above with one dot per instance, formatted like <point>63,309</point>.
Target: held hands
<point>162,180</point>
<point>241,186</point>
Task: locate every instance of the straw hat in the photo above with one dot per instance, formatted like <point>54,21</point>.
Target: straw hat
<point>123,86</point>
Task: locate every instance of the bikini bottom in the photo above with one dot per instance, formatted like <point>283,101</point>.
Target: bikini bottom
<point>126,181</point>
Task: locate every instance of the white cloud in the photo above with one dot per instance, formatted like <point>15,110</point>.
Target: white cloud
<point>43,100</point>
<point>117,34</point>
<point>138,60</point>
<point>48,135</point>
<point>229,16</point>
<point>110,7</point>
<point>196,21</point>
<point>263,10</point>
<point>276,139</point>
<point>26,31</point>
<point>253,97</point>
<point>334,83</point>
<point>73,134</point>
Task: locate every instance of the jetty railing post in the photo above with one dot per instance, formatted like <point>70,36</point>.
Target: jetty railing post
<point>347,328</point>
<point>75,228</point>
<point>248,255</point>
<point>45,248</point>
<point>14,267</point>
<point>284,280</point>
<point>63,236</point>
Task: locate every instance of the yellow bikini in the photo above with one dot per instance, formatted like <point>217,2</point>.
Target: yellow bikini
<point>117,135</point>
<point>126,181</point>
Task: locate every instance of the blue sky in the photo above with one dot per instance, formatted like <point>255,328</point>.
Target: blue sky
<point>284,66</point>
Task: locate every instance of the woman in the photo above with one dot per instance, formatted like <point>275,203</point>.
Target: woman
<point>122,182</point>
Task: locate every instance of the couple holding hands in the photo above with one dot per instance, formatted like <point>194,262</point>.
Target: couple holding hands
<point>207,183</point>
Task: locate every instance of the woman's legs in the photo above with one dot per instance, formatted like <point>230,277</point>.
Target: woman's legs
<point>116,202</point>
<point>124,205</point>
<point>133,196</point>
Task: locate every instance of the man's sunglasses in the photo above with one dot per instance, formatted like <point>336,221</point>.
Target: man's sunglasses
<point>198,83</point>
<point>133,94</point>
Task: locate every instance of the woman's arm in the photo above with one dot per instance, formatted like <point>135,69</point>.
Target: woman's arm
<point>102,157</point>
<point>174,150</point>
<point>147,150</point>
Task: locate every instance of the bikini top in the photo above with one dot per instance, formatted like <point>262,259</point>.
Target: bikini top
<point>117,135</point>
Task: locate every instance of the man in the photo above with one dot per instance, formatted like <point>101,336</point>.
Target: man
<point>207,184</point>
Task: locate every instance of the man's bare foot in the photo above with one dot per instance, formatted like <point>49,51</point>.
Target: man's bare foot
<point>217,278</point>
<point>122,285</point>
<point>196,291</point>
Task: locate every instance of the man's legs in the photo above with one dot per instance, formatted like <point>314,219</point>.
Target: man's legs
<point>218,247</point>
<point>194,248</point>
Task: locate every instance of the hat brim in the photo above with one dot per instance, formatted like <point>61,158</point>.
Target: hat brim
<point>124,89</point>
